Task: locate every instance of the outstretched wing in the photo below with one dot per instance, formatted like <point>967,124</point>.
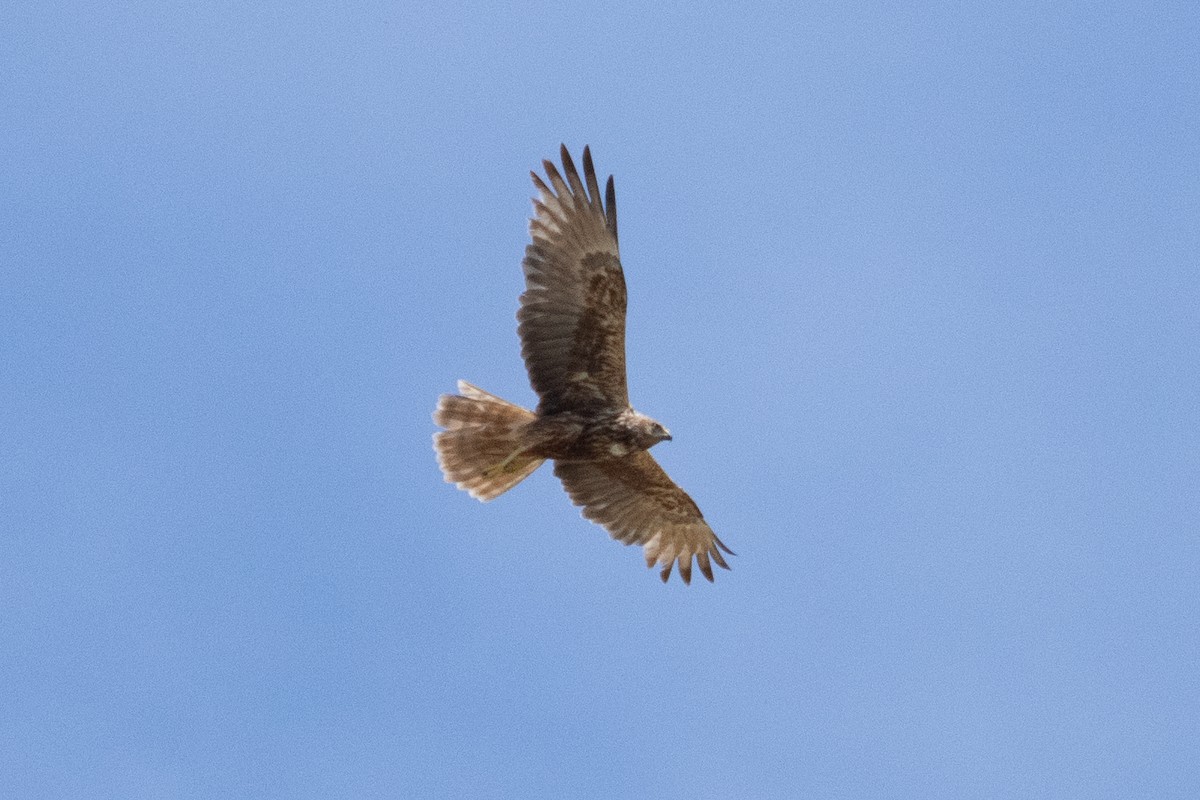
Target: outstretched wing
<point>572,315</point>
<point>639,504</point>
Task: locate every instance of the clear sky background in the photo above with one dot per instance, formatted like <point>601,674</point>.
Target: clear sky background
<point>914,285</point>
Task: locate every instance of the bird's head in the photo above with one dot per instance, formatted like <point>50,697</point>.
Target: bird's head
<point>647,432</point>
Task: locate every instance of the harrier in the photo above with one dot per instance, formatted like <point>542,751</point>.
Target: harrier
<point>572,329</point>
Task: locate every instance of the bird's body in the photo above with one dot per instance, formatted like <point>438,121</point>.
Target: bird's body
<point>612,433</point>
<point>572,329</point>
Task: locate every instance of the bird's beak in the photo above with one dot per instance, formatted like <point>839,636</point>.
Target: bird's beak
<point>667,436</point>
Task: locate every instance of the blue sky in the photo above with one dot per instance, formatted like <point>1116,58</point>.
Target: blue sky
<point>915,286</point>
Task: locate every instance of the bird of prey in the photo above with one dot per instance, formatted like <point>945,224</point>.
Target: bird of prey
<point>572,328</point>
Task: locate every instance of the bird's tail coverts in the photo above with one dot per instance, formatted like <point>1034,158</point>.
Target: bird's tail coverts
<point>480,450</point>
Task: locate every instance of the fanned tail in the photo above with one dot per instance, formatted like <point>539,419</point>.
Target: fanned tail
<point>480,450</point>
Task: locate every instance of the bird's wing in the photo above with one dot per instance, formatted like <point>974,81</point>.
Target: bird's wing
<point>639,504</point>
<point>572,315</point>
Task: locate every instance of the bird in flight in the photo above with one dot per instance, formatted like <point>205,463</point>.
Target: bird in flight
<point>572,328</point>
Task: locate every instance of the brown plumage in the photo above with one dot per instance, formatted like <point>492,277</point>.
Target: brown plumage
<point>572,329</point>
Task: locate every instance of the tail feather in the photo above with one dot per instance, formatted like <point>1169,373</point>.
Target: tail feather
<point>479,450</point>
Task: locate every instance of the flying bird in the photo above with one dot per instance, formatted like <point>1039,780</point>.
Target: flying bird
<point>572,328</point>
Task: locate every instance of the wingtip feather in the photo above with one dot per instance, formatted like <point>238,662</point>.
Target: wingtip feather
<point>610,206</point>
